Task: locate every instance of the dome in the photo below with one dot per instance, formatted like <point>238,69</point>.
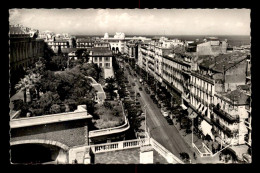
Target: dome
<point>106,35</point>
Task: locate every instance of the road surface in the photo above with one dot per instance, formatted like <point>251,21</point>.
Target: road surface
<point>167,135</point>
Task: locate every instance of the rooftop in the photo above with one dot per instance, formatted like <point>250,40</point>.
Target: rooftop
<point>83,40</point>
<point>100,51</point>
<point>227,60</point>
<point>16,30</point>
<point>126,156</point>
<point>60,40</point>
<point>244,87</point>
<point>66,50</point>
<point>237,96</point>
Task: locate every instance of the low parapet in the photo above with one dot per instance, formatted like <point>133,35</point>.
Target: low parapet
<point>80,113</point>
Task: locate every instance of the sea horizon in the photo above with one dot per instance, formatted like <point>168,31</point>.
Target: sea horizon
<point>233,40</point>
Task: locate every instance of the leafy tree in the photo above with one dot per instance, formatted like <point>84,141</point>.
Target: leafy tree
<point>79,53</point>
<point>59,50</point>
<point>47,100</point>
<point>55,108</point>
<point>110,89</point>
<point>18,104</point>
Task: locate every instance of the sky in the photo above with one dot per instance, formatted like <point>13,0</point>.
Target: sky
<point>135,21</point>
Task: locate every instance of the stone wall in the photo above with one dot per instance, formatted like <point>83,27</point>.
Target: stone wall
<point>70,133</point>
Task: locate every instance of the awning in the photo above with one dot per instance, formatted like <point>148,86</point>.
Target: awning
<point>204,110</point>
<point>192,114</point>
<point>189,111</point>
<point>198,105</point>
<point>201,108</point>
<point>206,129</point>
<point>183,106</point>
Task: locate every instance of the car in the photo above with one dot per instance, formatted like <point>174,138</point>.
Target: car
<point>159,106</point>
<point>147,91</point>
<point>137,103</point>
<point>133,84</point>
<point>138,95</point>
<point>185,157</point>
<point>165,114</point>
<point>169,120</point>
<point>140,88</point>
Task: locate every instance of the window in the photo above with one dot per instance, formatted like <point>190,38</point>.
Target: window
<point>107,59</point>
<point>95,59</point>
<point>100,64</point>
<point>100,58</point>
<point>107,64</point>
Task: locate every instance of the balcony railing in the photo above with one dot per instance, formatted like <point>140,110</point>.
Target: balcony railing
<point>99,148</point>
<point>225,129</point>
<point>225,115</point>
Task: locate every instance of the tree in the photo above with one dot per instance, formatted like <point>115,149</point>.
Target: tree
<point>59,50</point>
<point>110,80</point>
<point>18,104</point>
<point>47,100</point>
<point>25,84</point>
<point>79,53</point>
<point>55,108</point>
<point>110,89</point>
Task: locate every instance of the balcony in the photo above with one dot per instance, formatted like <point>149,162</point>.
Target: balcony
<point>226,116</point>
<point>224,128</point>
<point>248,125</point>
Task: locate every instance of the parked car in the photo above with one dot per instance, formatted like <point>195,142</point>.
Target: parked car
<point>165,114</point>
<point>138,95</point>
<point>147,91</point>
<point>133,84</point>
<point>185,157</point>
<point>140,88</point>
<point>169,120</point>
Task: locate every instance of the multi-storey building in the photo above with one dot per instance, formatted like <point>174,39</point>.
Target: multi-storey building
<point>212,46</point>
<point>101,56</point>
<point>24,48</point>
<point>84,43</point>
<point>205,83</point>
<point>131,49</point>
<point>230,112</point>
<point>102,44</point>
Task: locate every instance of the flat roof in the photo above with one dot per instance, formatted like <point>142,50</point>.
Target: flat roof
<point>47,119</point>
<point>126,156</point>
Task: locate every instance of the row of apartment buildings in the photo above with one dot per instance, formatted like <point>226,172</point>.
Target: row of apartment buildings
<point>214,85</point>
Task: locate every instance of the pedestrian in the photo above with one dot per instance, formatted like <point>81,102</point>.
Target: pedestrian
<point>194,155</point>
<point>220,156</point>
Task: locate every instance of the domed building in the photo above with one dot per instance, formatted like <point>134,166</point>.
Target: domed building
<point>106,35</point>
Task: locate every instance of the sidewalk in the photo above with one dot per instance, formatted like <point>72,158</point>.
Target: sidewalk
<point>198,143</point>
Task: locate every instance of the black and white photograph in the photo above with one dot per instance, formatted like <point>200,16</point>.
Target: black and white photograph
<point>129,86</point>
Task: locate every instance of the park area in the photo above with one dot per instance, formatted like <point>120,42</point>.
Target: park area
<point>109,114</point>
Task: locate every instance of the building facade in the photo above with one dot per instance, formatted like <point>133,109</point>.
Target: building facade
<point>102,57</point>
<point>206,80</point>
<point>25,49</point>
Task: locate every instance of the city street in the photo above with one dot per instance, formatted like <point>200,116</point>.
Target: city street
<point>159,129</point>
